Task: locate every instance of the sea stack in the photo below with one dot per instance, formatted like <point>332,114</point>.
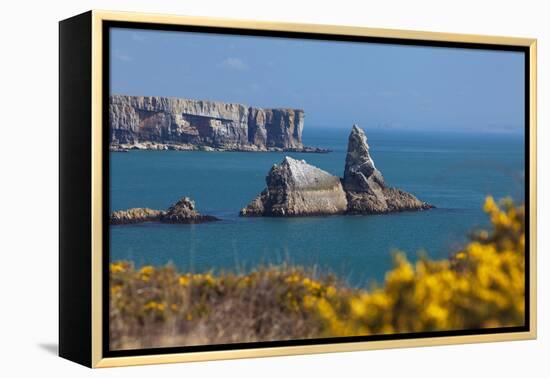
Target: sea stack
<point>296,188</point>
<point>182,212</point>
<point>365,188</point>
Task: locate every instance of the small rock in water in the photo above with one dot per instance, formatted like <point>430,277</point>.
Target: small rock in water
<point>182,211</point>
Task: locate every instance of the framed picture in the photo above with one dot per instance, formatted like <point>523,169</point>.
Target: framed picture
<point>235,189</point>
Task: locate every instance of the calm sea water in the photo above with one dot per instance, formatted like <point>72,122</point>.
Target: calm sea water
<point>453,171</point>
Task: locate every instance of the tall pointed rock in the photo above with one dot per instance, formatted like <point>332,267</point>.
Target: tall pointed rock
<point>360,173</point>
<point>364,184</point>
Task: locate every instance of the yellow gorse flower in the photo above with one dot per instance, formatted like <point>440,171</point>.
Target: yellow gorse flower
<point>117,267</point>
<point>154,306</point>
<point>184,280</point>
<point>146,272</point>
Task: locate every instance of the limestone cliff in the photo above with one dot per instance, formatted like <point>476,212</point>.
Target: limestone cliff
<point>175,123</point>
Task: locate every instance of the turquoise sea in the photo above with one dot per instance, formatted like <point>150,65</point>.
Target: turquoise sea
<point>453,171</point>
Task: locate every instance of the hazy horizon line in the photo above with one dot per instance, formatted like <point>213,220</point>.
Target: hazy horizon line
<point>503,130</point>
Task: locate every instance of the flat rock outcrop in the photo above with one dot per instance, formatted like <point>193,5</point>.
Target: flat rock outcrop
<point>163,123</point>
<point>295,188</point>
<point>182,211</point>
<point>135,215</point>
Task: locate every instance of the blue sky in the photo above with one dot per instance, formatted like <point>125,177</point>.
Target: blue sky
<point>336,83</point>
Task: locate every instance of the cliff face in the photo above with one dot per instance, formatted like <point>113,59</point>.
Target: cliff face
<point>174,121</point>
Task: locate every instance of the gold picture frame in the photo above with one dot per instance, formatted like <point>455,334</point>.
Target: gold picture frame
<point>82,320</point>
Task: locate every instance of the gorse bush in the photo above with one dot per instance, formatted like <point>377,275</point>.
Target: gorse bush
<point>480,286</point>
<point>160,307</point>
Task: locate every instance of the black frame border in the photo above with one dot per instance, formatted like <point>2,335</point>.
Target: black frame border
<point>75,193</point>
<point>107,25</point>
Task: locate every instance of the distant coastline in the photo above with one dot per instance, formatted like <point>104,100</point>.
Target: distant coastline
<point>162,123</point>
<point>154,146</point>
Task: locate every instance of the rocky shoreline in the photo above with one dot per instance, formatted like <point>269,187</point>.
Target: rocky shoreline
<point>183,212</point>
<point>296,188</point>
<point>152,146</point>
